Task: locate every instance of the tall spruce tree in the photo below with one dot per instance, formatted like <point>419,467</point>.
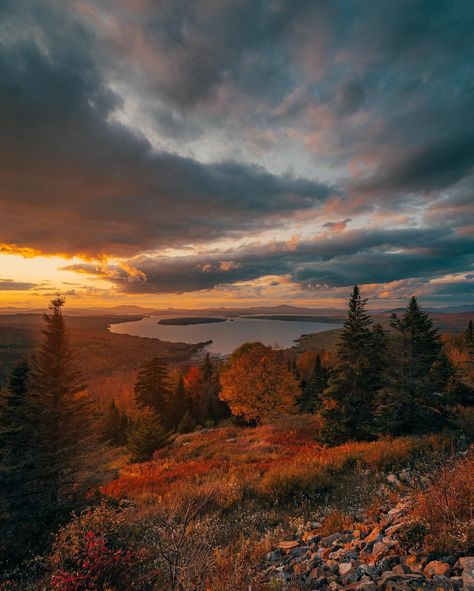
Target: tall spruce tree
<point>69,457</point>
<point>414,400</point>
<point>147,436</point>
<point>348,400</point>
<point>18,447</point>
<point>216,408</point>
<point>311,399</point>
<point>152,388</point>
<point>178,405</point>
<point>114,426</point>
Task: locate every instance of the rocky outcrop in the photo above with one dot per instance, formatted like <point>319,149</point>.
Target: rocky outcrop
<point>376,555</point>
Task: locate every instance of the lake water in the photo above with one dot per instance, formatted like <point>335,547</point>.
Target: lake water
<point>225,336</point>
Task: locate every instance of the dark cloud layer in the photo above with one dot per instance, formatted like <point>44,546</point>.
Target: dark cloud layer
<point>128,127</point>
<point>353,256</point>
<point>67,168</point>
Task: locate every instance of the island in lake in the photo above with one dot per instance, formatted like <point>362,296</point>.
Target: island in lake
<point>185,321</point>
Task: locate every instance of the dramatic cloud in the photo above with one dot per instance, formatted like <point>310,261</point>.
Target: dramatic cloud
<point>367,257</point>
<point>319,141</point>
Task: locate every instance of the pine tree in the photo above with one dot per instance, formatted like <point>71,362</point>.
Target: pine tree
<point>414,401</point>
<point>187,424</point>
<point>311,399</point>
<point>216,408</point>
<point>469,335</point>
<point>114,425</point>
<point>147,437</point>
<point>152,389</point>
<point>348,400</point>
<point>469,344</point>
<point>178,405</point>
<point>17,458</point>
<point>67,447</point>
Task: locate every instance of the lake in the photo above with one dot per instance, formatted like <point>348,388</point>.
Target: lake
<point>225,336</point>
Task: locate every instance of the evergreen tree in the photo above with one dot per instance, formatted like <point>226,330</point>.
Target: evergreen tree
<point>414,401</point>
<point>178,405</point>
<point>469,344</point>
<point>469,335</point>
<point>216,408</point>
<point>152,389</point>
<point>114,425</point>
<point>17,458</point>
<point>67,447</point>
<point>348,400</point>
<point>187,424</point>
<point>147,436</point>
<point>311,398</point>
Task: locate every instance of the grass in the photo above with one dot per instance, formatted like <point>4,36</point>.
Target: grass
<point>274,463</point>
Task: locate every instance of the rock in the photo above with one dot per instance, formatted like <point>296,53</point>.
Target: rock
<point>413,563</point>
<point>374,535</point>
<point>330,540</point>
<point>274,556</point>
<point>467,565</point>
<point>288,545</point>
<point>321,583</point>
<point>379,549</point>
<point>391,577</point>
<point>396,527</point>
<point>436,567</point>
<point>345,568</point>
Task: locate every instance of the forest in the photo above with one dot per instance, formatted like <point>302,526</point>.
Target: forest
<point>214,459</point>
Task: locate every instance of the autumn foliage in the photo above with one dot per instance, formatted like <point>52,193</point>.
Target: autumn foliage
<point>257,384</point>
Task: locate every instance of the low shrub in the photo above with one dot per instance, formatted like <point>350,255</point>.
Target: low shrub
<point>447,508</point>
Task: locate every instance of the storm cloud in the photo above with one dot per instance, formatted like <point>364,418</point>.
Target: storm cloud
<point>131,128</point>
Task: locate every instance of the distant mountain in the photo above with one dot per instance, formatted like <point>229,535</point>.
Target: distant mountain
<point>462,309</point>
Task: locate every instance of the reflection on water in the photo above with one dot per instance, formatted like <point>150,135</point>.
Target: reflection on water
<point>225,336</point>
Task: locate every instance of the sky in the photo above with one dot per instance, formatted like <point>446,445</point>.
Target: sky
<point>193,153</point>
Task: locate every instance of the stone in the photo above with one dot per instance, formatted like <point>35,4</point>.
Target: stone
<point>467,565</point>
<point>288,545</point>
<point>413,563</point>
<point>330,540</point>
<point>374,535</point>
<point>390,576</point>
<point>345,568</point>
<point>393,529</point>
<point>314,573</point>
<point>379,549</point>
<point>274,556</point>
<point>436,567</point>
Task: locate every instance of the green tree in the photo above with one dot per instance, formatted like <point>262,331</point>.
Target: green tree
<point>178,405</point>
<point>311,399</point>
<point>186,424</point>
<point>216,409</point>
<point>147,436</point>
<point>152,388</point>
<point>67,446</point>
<point>414,400</point>
<point>348,400</point>
<point>114,425</point>
<point>17,459</point>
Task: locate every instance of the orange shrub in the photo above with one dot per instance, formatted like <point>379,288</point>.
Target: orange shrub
<point>447,508</point>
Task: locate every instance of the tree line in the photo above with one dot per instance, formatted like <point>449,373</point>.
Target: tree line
<point>395,380</point>
<point>383,381</point>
